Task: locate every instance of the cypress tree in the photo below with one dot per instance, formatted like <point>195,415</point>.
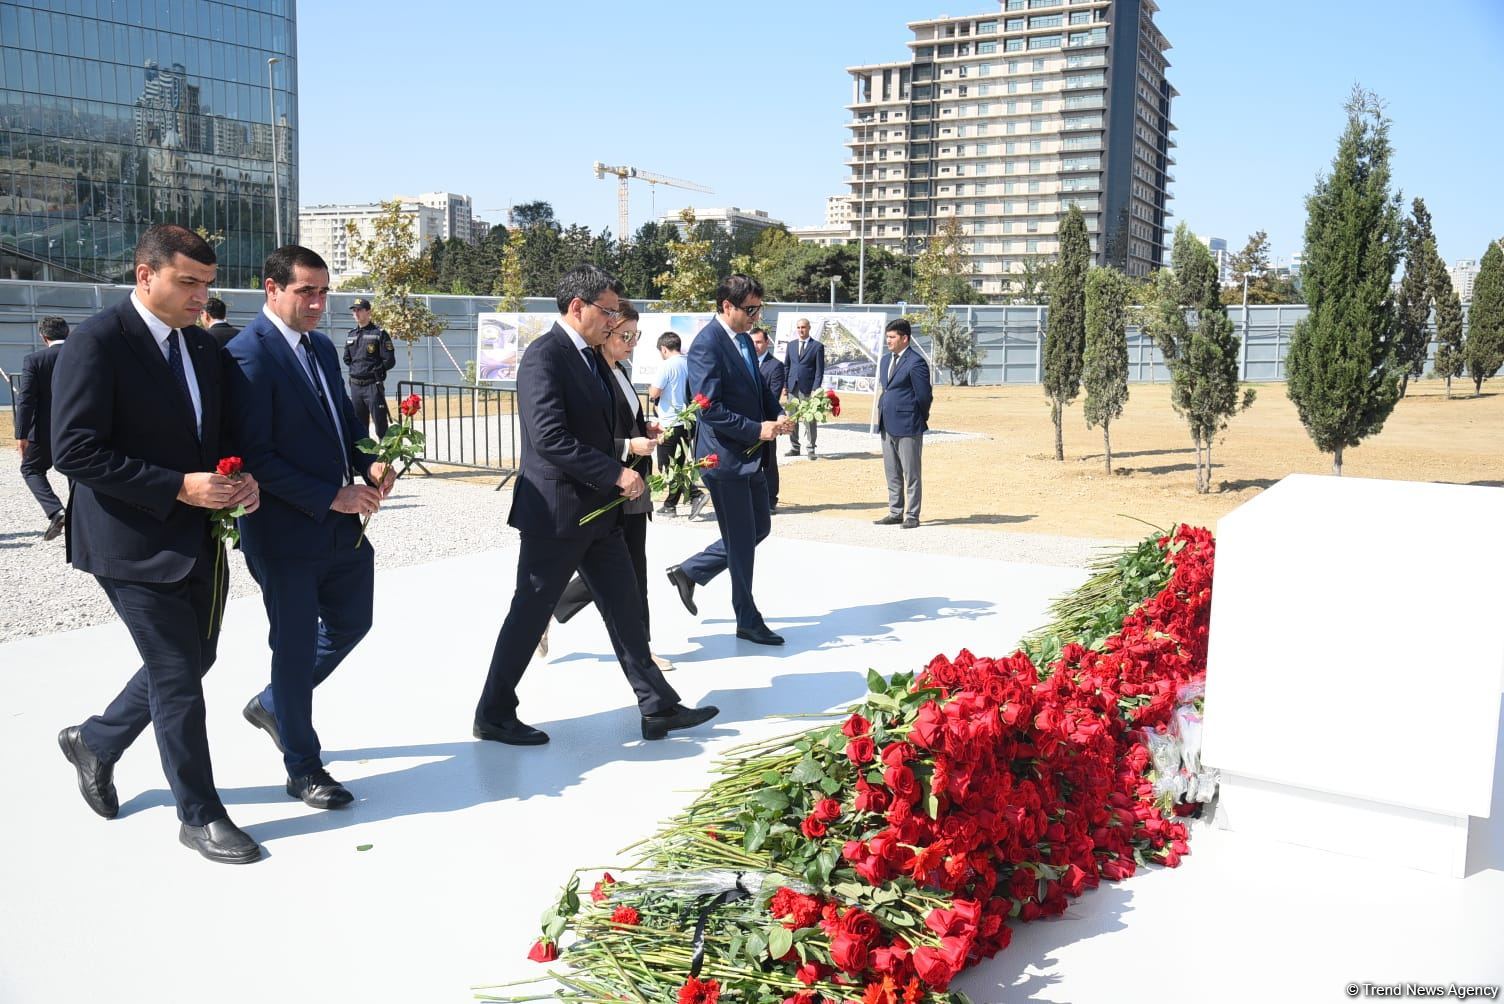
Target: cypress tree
<point>1414,304</point>
<point>1343,369</point>
<point>1065,332</point>
<point>1484,350</point>
<point>1104,363</point>
<point>1450,358</point>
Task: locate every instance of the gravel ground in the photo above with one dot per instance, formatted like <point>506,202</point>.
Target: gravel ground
<point>40,594</point>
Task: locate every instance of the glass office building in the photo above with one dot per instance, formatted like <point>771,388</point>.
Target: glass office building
<point>118,114</point>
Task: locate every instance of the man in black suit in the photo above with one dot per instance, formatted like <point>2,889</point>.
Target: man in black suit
<point>774,376</point>
<point>741,415</point>
<point>570,467</point>
<point>804,365</point>
<point>33,414</point>
<point>213,321</point>
<point>136,411</point>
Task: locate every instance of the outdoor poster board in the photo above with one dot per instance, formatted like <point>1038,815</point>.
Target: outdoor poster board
<point>853,345</point>
<point>646,362</point>
<point>500,341</point>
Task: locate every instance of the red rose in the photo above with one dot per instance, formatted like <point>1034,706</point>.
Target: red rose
<point>901,780</point>
<point>229,467</point>
<point>808,974</point>
<point>711,462</point>
<point>870,798</point>
<point>828,809</point>
<point>625,915</point>
<point>599,892</point>
<point>802,997</point>
<point>701,401</point>
<point>861,750</point>
<point>849,952</point>
<point>860,925</point>
<point>855,726</point>
<point>933,967</point>
<point>544,950</point>
<point>812,828</point>
<point>411,405</point>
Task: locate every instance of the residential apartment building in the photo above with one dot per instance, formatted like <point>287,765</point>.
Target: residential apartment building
<point>323,229</point>
<point>1003,120</point>
<point>727,218</point>
<point>1463,275</point>
<point>458,214</point>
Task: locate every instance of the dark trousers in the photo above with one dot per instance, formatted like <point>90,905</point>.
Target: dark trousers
<point>169,622</point>
<point>35,463</point>
<point>576,596</point>
<point>668,451</point>
<point>741,510</point>
<point>770,471</point>
<point>318,609</point>
<point>543,568</point>
<point>370,403</point>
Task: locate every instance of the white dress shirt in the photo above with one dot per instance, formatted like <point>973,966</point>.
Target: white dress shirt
<point>160,330</point>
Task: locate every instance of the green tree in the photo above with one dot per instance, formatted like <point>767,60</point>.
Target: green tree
<point>690,280</point>
<point>395,271</point>
<point>645,260</point>
<point>1451,355</point>
<point>1104,363</point>
<point>532,214</point>
<point>954,347</point>
<point>1343,369</point>
<point>1484,350</point>
<point>1032,285</point>
<point>1065,331</point>
<point>509,274</point>
<point>941,272</point>
<point>1413,306</point>
<point>1252,261</point>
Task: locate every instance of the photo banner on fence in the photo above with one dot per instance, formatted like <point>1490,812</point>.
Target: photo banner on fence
<point>853,344</point>
<point>500,341</point>
<point>646,362</point>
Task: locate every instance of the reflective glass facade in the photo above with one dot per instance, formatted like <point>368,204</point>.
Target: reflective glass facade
<point>117,114</point>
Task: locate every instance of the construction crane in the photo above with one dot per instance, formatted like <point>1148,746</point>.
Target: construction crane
<point>624,174</point>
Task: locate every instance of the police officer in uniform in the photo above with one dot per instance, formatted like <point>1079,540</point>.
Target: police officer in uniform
<point>369,356</point>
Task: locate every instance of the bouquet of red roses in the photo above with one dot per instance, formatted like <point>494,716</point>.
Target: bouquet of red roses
<point>683,470</point>
<point>819,406</point>
<point>873,859</point>
<point>226,532</point>
<point>401,443</point>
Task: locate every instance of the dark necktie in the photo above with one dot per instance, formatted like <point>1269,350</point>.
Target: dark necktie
<point>596,370</point>
<point>175,363</point>
<point>318,388</point>
<point>801,348</point>
<point>744,342</point>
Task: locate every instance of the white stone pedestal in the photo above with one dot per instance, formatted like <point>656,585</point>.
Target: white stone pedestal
<point>1356,664</point>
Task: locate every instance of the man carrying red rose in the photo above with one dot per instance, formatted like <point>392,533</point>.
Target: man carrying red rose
<point>296,426</point>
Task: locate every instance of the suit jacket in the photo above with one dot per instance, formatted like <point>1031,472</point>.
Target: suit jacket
<point>807,372</point>
<point>774,374</point>
<point>904,407</point>
<point>739,403</point>
<point>287,442</point>
<point>123,432</point>
<point>33,406</point>
<point>629,422</point>
<point>569,465</point>
<point>222,332</point>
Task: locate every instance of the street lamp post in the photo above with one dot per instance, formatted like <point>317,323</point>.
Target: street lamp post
<point>833,280</point>
<point>271,100</point>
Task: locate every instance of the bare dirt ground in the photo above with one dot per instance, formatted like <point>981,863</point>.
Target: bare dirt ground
<point>1011,481</point>
<point>1007,478</point>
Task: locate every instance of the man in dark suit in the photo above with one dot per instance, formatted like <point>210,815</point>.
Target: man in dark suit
<point>773,376</point>
<point>804,363</point>
<point>136,411</point>
<point>213,321</point>
<point>742,413</point>
<point>571,466</point>
<point>33,415</point>
<point>903,411</point>
<point>295,426</point>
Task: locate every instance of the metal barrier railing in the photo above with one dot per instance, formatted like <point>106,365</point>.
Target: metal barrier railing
<point>466,426</point>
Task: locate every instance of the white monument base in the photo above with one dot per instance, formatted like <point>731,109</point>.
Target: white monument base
<point>1355,666</point>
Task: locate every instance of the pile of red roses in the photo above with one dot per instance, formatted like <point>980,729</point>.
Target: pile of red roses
<point>897,846</point>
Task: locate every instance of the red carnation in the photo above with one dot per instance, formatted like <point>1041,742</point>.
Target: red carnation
<point>701,401</point>
<point>625,915</point>
<point>229,467</point>
<point>695,992</point>
<point>600,891</point>
<point>544,950</point>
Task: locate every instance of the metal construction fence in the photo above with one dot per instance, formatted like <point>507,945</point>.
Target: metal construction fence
<point>1011,337</point>
<point>466,426</point>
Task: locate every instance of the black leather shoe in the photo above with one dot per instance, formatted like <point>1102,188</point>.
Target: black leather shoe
<point>220,841</point>
<point>319,790</point>
<point>911,523</point>
<point>759,636</point>
<point>264,719</point>
<point>697,505</point>
<point>888,520</point>
<point>54,528</point>
<point>512,732</point>
<point>686,587</point>
<point>678,717</point>
<point>793,452</point>
<point>96,779</point>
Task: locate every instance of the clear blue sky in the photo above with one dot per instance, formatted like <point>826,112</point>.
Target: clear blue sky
<point>513,102</point>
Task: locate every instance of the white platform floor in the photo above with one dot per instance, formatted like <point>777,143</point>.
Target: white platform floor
<point>470,840</point>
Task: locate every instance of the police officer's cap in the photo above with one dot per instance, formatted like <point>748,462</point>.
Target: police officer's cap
<point>361,304</point>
